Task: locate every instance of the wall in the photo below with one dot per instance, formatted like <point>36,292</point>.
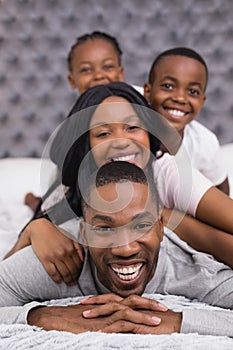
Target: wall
<point>35,36</point>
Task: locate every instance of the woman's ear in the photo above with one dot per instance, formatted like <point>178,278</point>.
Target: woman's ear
<point>82,230</point>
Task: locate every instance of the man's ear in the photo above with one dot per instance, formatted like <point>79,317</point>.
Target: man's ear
<point>161,228</point>
<point>82,230</point>
<point>71,81</point>
<point>147,91</point>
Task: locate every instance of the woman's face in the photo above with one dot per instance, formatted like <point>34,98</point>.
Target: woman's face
<point>118,134</point>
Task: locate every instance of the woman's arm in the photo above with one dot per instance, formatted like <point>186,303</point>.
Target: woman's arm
<point>202,237</point>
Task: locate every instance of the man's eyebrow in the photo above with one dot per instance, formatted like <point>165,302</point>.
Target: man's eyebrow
<point>110,220</point>
<point>105,218</point>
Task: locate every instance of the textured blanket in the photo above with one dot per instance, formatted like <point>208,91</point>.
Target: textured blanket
<point>23,337</point>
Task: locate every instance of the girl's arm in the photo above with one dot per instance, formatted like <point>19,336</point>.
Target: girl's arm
<point>201,236</point>
<point>61,256</point>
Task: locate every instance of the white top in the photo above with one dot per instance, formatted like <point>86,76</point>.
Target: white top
<point>179,185</point>
<point>204,150</point>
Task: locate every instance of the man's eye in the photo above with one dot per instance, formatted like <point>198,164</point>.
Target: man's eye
<point>103,229</point>
<point>144,226</point>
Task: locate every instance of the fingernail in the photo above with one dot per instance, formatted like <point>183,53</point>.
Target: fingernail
<point>162,307</point>
<point>82,301</point>
<point>86,313</point>
<point>156,320</point>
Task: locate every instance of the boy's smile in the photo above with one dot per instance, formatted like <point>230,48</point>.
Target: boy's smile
<point>178,89</point>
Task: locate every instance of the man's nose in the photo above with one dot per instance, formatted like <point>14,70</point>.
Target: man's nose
<point>126,250</point>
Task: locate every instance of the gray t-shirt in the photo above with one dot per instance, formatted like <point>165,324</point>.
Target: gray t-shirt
<point>181,270</point>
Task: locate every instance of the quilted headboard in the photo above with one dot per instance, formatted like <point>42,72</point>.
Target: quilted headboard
<point>35,37</point>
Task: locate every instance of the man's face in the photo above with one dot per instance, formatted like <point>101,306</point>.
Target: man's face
<point>177,90</point>
<point>131,232</point>
<point>95,62</point>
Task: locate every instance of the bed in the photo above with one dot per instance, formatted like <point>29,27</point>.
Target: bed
<point>21,175</point>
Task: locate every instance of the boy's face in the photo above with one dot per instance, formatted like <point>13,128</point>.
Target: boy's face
<point>178,89</point>
<point>129,232</point>
<point>95,62</point>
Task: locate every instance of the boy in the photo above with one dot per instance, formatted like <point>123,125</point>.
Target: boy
<point>176,89</point>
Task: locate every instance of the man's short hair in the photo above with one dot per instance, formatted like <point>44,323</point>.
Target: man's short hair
<point>119,172</point>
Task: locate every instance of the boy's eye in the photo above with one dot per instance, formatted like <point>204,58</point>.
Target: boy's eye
<point>194,92</point>
<point>103,134</point>
<point>167,86</point>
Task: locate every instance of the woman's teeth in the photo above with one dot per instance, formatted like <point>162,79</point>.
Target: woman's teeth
<point>127,273</point>
<point>125,158</point>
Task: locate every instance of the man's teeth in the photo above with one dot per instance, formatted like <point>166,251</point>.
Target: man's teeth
<point>125,158</point>
<point>176,113</point>
<point>127,273</point>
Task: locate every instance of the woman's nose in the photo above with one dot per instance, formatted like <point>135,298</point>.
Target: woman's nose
<point>120,142</point>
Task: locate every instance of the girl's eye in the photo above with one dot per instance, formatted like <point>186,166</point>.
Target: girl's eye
<point>85,70</point>
<point>108,67</point>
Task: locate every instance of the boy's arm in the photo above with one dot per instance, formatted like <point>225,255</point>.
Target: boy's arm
<point>224,186</point>
<point>202,237</point>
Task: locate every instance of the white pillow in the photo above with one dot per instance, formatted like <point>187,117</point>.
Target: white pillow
<point>19,176</point>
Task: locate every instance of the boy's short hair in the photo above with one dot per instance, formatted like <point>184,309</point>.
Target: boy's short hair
<point>178,51</point>
<point>92,36</point>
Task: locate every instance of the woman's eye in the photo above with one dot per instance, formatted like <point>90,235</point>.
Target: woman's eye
<point>102,134</point>
<point>133,127</point>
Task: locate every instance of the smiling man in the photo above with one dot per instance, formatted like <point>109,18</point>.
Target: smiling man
<point>122,231</point>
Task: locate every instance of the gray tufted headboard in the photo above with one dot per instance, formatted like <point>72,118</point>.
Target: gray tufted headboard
<point>35,37</point>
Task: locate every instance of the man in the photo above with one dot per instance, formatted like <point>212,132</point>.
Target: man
<point>122,231</point>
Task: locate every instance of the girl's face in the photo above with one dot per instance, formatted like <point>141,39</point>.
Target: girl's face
<point>94,62</point>
<point>117,134</point>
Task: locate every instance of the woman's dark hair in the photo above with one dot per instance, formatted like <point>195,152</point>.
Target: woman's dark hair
<point>71,144</point>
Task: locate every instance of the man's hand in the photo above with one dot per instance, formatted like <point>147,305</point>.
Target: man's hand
<point>65,318</point>
<point>134,314</point>
<point>115,316</point>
